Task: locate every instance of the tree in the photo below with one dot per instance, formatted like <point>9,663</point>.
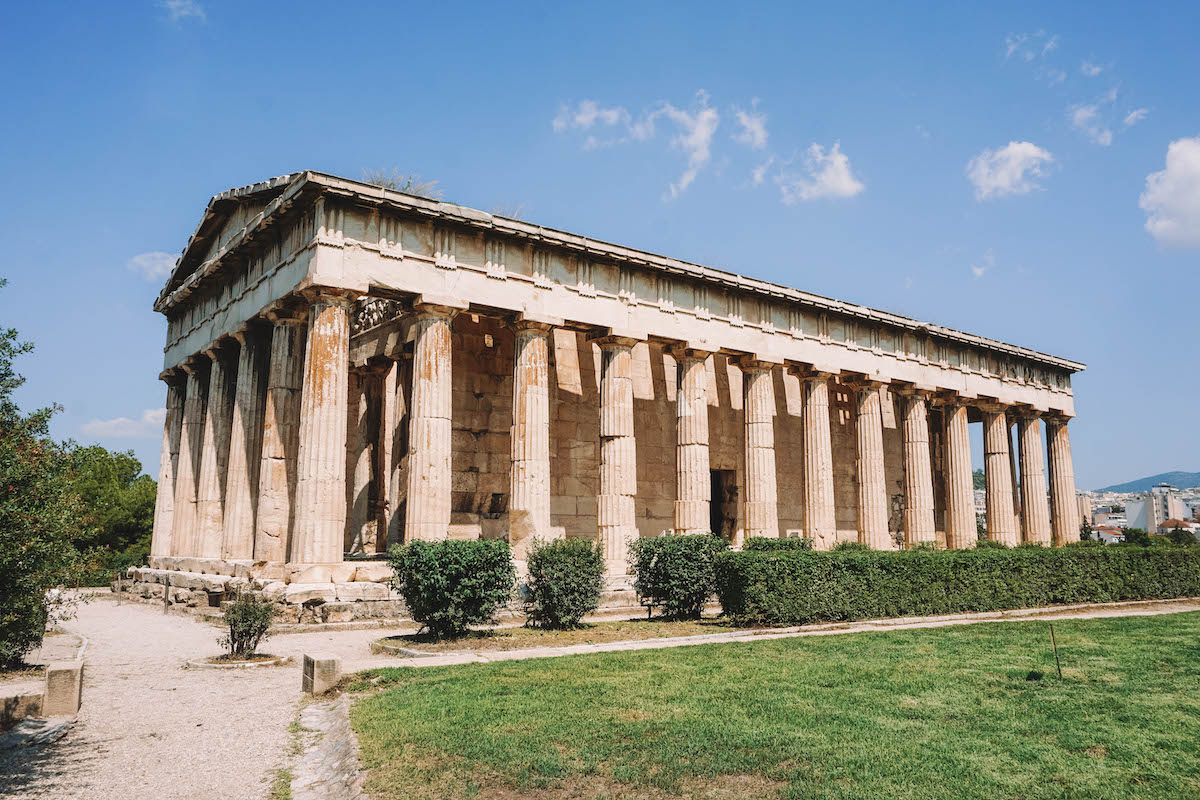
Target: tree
<point>1136,536</point>
<point>118,499</point>
<point>39,510</point>
<point>1085,531</point>
<point>978,480</point>
<point>1178,535</point>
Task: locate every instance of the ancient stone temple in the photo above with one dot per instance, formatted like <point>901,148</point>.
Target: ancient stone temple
<point>349,367</point>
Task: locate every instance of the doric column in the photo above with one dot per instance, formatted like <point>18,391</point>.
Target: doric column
<point>359,520</point>
<point>960,492</point>
<point>820,522</point>
<point>918,471</point>
<point>1035,513</point>
<point>529,499</point>
<point>319,534</point>
<point>427,511</point>
<point>693,479</point>
<point>762,497</point>
<point>245,443</point>
<point>1012,469</point>
<point>214,457</point>
<point>184,540</point>
<point>1063,501</point>
<point>1001,522</point>
<point>618,452</point>
<point>281,437</point>
<point>168,465</point>
<point>872,485</point>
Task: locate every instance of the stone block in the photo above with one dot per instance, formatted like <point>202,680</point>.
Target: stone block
<point>342,573</point>
<point>375,571</point>
<point>319,573</point>
<point>64,689</point>
<point>179,595</point>
<point>375,591</point>
<point>213,583</point>
<point>288,614</point>
<point>337,612</point>
<point>271,572</point>
<point>301,593</point>
<point>349,592</point>
<point>320,674</point>
<point>274,592</point>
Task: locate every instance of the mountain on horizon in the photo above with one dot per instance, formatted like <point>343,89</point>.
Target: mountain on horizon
<point>1184,480</point>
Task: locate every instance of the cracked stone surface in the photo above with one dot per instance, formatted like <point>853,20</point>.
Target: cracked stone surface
<point>328,767</point>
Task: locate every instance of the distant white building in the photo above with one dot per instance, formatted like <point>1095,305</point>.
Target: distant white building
<point>1158,505</point>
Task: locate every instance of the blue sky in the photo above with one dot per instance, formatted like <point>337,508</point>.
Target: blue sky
<point>1002,170</point>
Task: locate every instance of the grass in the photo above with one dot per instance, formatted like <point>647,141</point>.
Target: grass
<point>933,713</point>
<point>520,638</point>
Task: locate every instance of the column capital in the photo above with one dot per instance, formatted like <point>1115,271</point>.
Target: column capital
<point>992,406</point>
<point>173,376</point>
<point>813,372</point>
<point>535,321</point>
<point>1058,417</point>
<point>946,398</point>
<point>755,363</point>
<point>330,294</point>
<point>287,315</point>
<point>439,305</point>
<point>616,337</point>
<point>689,349</point>
<point>1025,411</point>
<point>195,363</point>
<point>860,384</point>
<point>905,389</point>
<point>213,351</point>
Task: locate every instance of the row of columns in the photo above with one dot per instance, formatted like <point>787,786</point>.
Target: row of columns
<point>255,449</point>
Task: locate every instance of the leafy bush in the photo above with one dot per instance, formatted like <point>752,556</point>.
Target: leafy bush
<point>675,573</point>
<point>1178,535</point>
<point>798,587</point>
<point>990,544</point>
<point>850,545</point>
<point>1136,536</point>
<point>451,584</point>
<point>764,544</point>
<point>248,619</point>
<point>566,577</point>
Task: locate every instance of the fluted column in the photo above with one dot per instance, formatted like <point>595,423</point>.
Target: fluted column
<point>168,466</point>
<point>1001,522</point>
<point>960,492</point>
<point>359,520</point>
<point>245,443</point>
<point>1035,513</point>
<point>820,522</point>
<point>184,529</point>
<point>281,437</point>
<point>919,525</point>
<point>618,453</point>
<point>529,500</point>
<point>762,495</point>
<point>427,512</point>
<point>693,478</point>
<point>214,457</point>
<point>1012,469</point>
<point>1063,501</point>
<point>872,485</point>
<point>321,470</point>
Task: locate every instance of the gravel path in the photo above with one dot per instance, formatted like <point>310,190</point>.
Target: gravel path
<point>148,728</point>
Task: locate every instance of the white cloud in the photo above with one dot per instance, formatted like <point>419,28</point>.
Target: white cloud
<point>1030,46</point>
<point>826,175</point>
<point>1090,69</point>
<point>754,128</point>
<point>152,266</point>
<point>694,138</point>
<point>986,263</point>
<point>586,115</point>
<point>149,424</point>
<point>758,175</point>
<point>1010,170</point>
<point>1086,119</point>
<point>1055,76</point>
<point>179,10</point>
<point>1172,197</point>
<point>1135,116</point>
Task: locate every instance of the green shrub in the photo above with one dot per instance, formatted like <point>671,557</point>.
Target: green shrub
<point>798,587</point>
<point>566,577</point>
<point>762,544</point>
<point>248,620</point>
<point>675,573</point>
<point>850,545</point>
<point>451,584</point>
<point>1178,535</point>
<point>1136,536</point>
<point>990,544</point>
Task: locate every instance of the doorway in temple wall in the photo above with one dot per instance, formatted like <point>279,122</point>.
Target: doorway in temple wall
<point>723,506</point>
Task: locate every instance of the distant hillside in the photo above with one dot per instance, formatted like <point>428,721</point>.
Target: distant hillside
<point>1183,480</point>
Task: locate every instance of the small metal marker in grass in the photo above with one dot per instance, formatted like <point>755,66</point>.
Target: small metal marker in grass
<point>1054,647</point>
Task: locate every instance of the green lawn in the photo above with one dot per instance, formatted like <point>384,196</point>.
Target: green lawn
<point>936,713</point>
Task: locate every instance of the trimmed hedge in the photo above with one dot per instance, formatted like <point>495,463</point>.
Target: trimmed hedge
<point>763,544</point>
<point>451,584</point>
<point>796,587</point>
<point>566,577</point>
<point>675,573</point>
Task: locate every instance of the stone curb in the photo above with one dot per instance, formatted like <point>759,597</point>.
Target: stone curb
<point>430,659</point>
<point>200,664</point>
